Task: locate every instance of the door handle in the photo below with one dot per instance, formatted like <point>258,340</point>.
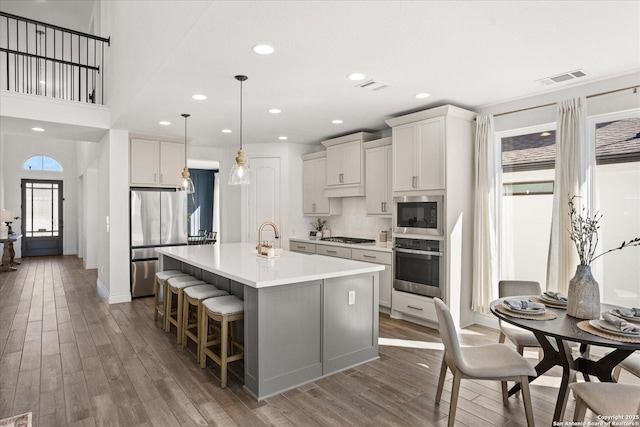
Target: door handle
<point>415,308</point>
<point>341,178</point>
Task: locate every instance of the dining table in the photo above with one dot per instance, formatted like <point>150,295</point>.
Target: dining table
<point>555,331</point>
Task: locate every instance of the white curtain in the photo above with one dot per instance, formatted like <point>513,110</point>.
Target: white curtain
<point>487,179</point>
<point>575,165</point>
<point>216,205</point>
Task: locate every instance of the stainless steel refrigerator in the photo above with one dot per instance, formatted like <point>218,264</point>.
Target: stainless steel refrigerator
<point>158,218</point>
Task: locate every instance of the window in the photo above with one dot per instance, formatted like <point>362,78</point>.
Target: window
<point>42,163</point>
<point>618,199</point>
<point>528,159</point>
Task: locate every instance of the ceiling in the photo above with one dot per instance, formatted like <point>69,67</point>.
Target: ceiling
<point>471,54</point>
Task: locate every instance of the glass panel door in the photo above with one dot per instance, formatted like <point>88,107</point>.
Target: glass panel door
<point>41,217</point>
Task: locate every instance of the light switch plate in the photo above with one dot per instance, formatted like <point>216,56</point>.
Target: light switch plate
<point>352,297</point>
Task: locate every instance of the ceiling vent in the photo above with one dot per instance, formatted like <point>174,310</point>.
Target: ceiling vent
<point>372,85</point>
<point>564,77</point>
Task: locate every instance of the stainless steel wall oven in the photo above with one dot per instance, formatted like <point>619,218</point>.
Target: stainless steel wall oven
<point>418,266</point>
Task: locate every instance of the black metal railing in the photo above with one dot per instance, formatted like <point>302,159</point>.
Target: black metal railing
<point>47,60</point>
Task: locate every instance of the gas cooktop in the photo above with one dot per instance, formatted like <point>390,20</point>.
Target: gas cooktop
<point>348,240</point>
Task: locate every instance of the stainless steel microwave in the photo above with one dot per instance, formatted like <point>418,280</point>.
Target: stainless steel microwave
<point>418,215</point>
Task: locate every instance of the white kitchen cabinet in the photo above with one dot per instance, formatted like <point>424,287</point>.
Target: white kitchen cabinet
<point>302,247</point>
<point>345,165</point>
<point>155,163</point>
<point>314,178</point>
<point>419,162</point>
<point>379,167</point>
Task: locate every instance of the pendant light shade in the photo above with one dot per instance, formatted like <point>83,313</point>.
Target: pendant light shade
<point>240,173</point>
<point>187,184</point>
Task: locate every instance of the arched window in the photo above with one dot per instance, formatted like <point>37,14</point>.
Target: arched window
<point>42,163</point>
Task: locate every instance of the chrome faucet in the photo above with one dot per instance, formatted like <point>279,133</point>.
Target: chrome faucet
<point>264,224</point>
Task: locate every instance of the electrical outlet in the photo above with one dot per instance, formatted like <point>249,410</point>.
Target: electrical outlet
<point>352,297</point>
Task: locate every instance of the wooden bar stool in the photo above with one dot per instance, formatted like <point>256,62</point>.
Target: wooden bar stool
<point>193,297</point>
<point>224,310</point>
<point>176,286</point>
<point>160,283</point>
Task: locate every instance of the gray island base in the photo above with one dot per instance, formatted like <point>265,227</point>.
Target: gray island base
<point>306,316</point>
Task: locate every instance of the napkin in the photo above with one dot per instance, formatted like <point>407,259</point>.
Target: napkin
<point>523,305</point>
<point>556,296</point>
<point>623,325</point>
<point>629,312</point>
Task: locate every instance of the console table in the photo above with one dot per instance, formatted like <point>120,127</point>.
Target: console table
<point>8,253</point>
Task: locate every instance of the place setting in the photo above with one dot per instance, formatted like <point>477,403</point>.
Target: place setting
<point>628,314</point>
<point>524,309</point>
<point>612,327</point>
<point>551,299</point>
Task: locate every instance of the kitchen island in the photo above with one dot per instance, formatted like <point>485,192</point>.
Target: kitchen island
<point>306,316</point>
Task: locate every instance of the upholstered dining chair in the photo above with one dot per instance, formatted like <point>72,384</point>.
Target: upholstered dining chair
<point>521,338</point>
<point>606,399</point>
<point>631,364</point>
<point>486,362</point>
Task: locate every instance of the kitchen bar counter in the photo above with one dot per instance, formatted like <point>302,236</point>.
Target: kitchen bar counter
<point>306,316</point>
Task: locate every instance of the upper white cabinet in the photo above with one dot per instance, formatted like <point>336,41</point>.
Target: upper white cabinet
<point>379,173</point>
<point>155,163</point>
<point>419,155</point>
<point>314,179</point>
<point>423,143</point>
<point>345,165</point>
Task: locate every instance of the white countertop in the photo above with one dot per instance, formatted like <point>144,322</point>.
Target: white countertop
<point>239,262</point>
<point>365,246</point>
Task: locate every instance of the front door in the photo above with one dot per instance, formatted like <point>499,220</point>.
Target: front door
<point>41,217</point>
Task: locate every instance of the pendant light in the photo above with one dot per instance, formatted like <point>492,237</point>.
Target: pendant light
<point>187,184</point>
<point>240,173</point>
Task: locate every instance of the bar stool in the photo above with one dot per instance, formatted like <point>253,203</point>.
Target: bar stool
<point>160,282</point>
<point>176,286</point>
<point>193,297</point>
<point>224,310</point>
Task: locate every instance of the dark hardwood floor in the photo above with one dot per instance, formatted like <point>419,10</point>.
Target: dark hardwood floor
<point>72,359</point>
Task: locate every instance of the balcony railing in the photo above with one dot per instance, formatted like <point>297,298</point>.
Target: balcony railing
<point>47,60</point>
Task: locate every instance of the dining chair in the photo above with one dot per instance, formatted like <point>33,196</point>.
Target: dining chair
<point>631,364</point>
<point>521,338</point>
<point>486,362</point>
<point>605,399</point>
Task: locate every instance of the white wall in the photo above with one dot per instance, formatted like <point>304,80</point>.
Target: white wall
<point>17,150</point>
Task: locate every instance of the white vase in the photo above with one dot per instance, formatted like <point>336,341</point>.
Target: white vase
<point>318,235</point>
<point>583,299</point>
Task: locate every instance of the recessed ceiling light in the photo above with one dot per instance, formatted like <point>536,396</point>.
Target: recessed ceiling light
<point>422,95</point>
<point>164,123</point>
<point>356,77</point>
<point>226,130</point>
<point>275,111</point>
<point>199,97</point>
<point>37,129</point>
<point>282,137</point>
<point>263,49</point>
<point>337,122</point>
<point>545,134</point>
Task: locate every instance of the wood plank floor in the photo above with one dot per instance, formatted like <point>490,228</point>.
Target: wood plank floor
<point>74,360</point>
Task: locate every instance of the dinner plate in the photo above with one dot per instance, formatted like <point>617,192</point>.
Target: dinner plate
<point>606,327</point>
<point>520,311</point>
<point>545,298</point>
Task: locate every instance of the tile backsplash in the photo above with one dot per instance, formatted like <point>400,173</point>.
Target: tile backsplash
<point>354,221</point>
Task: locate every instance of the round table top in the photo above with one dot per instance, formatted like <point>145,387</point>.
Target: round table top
<point>564,326</point>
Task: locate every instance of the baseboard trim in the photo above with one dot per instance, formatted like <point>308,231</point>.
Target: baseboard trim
<point>117,299</point>
<point>102,290</point>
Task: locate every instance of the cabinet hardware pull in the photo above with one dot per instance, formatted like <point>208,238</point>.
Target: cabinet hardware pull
<point>369,256</point>
<point>415,308</point>
<point>332,252</point>
<point>384,206</point>
<point>301,247</point>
